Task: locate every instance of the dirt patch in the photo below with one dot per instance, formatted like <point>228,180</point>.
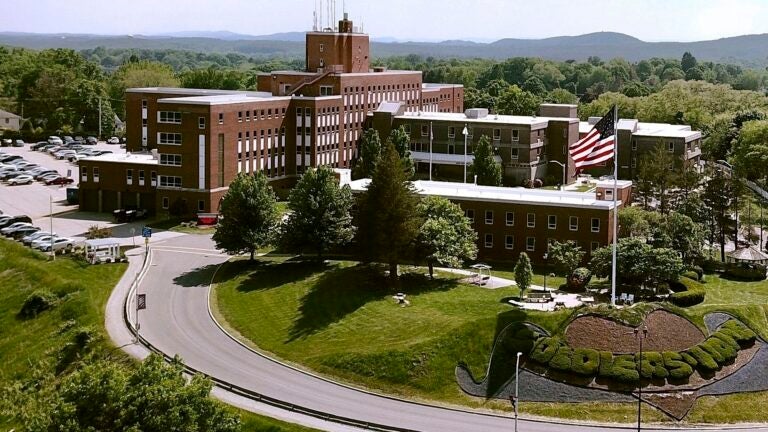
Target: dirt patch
<point>666,332</point>
<point>676,404</point>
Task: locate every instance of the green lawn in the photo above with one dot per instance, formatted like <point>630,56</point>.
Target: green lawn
<point>339,319</point>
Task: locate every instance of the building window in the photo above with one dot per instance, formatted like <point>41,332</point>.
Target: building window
<point>530,244</point>
<point>169,138</point>
<point>497,134</point>
<point>153,178</point>
<point>143,103</point>
<point>470,215</point>
<point>594,246</point>
<point>239,116</point>
<point>299,111</point>
<point>322,47</point>
<point>129,176</point>
<point>141,177</point>
<point>95,174</point>
<point>144,122</point>
<point>531,220</point>
<point>510,219</point>
<point>201,122</point>
<point>407,128</point>
<point>84,174</point>
<point>573,223</point>
<point>424,130</point>
<point>451,132</point>
<point>514,153</point>
<point>634,144</point>
<point>170,181</point>
<point>326,90</point>
<point>671,147</point>
<point>552,222</point>
<point>166,203</point>
<point>221,118</point>
<point>634,162</point>
<point>509,242</point>
<point>170,159</point>
<point>489,240</point>
<point>515,135</point>
<point>172,117</point>
<point>595,225</point>
<point>489,217</point>
<point>201,206</point>
<point>609,194</point>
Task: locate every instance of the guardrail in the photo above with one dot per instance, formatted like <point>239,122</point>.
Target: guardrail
<point>233,388</point>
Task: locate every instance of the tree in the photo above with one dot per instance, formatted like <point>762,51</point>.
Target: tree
<point>523,273</point>
<point>107,396</point>
<point>320,213</point>
<point>656,170</point>
<point>688,62</point>
<point>142,73</point>
<point>637,262</point>
<point>484,165</point>
<point>750,150</point>
<point>685,236</point>
<point>388,220</point>
<point>720,197</point>
<point>402,142</point>
<point>249,215</point>
<point>516,101</point>
<point>566,256</point>
<point>368,153</point>
<point>633,222</point>
<point>562,96</point>
<point>446,237</point>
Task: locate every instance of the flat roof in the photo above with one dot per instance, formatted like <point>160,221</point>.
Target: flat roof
<point>438,86</point>
<point>188,91</point>
<point>225,99</point>
<point>533,122</point>
<point>134,158</point>
<point>445,158</point>
<point>660,130</point>
<point>518,195</point>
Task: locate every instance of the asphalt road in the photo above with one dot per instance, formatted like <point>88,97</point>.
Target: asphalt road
<point>177,321</point>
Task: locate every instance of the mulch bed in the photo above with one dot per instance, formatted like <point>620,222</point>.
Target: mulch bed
<point>666,332</point>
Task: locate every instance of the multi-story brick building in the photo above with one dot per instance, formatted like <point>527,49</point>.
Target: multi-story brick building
<point>197,141</point>
<point>513,220</point>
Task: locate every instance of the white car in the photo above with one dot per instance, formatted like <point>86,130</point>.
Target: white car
<point>35,236</point>
<point>59,244</point>
<point>43,241</point>
<point>63,154</point>
<point>22,179</point>
<point>55,140</point>
<point>113,140</point>
<point>12,227</point>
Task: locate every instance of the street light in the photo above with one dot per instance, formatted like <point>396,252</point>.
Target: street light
<point>466,135</point>
<point>545,273</point>
<point>564,171</point>
<point>516,400</point>
<point>640,335</point>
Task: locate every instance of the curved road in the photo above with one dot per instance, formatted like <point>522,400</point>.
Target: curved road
<point>177,321</point>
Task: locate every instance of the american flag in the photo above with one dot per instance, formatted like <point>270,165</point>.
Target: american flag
<point>597,146</point>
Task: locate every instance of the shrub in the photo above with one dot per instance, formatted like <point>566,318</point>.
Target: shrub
<point>690,274</point>
<point>37,302</point>
<point>652,365</point>
<point>562,360</point>
<point>693,294</point>
<point>746,271</point>
<point>624,369</point>
<point>713,265</point>
<point>704,361</point>
<point>678,369</point>
<point>728,340</point>
<point>97,232</point>
<point>741,334</point>
<point>720,351</point>
<point>689,359</point>
<point>519,339</point>
<point>585,361</point>
<point>544,349</point>
<point>606,364</point>
<point>578,280</point>
<point>698,270</point>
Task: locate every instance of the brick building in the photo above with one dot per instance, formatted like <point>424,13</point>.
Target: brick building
<point>513,220</point>
<point>196,141</point>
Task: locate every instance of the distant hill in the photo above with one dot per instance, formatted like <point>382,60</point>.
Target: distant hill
<point>750,50</point>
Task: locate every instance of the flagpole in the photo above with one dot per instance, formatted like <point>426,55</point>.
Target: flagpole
<point>466,135</point>
<point>430,151</point>
<point>615,200</point>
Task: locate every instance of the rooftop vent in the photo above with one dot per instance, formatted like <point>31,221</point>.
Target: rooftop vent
<point>476,113</point>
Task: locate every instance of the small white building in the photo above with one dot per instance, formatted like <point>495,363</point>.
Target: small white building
<point>9,121</point>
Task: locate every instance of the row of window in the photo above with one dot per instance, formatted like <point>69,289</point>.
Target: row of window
<point>166,203</point>
<point>174,117</point>
<point>452,132</point>
<point>573,221</point>
<point>265,114</point>
<point>170,181</point>
<point>170,159</point>
<point>169,138</point>
<point>530,243</point>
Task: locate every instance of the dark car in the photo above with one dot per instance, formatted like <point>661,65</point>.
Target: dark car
<point>38,145</point>
<point>59,181</point>
<point>46,173</point>
<point>9,158</point>
<point>14,219</point>
<point>18,143</point>
<point>91,140</point>
<point>7,175</point>
<point>23,232</point>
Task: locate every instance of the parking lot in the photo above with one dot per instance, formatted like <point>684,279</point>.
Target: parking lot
<point>36,200</point>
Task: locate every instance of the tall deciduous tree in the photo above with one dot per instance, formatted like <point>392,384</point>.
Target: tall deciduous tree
<point>388,219</point>
<point>523,273</point>
<point>750,150</point>
<point>446,237</point>
<point>566,256</point>
<point>368,153</point>
<point>320,213</point>
<point>720,197</point>
<point>516,101</point>
<point>637,262</point>
<point>484,165</point>
<point>249,215</point>
<point>142,73</point>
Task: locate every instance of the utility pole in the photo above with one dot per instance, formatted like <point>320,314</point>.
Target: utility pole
<point>640,335</point>
<point>50,204</point>
<point>99,118</point>
<point>516,399</point>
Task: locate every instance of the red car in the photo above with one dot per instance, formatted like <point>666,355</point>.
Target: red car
<point>59,181</point>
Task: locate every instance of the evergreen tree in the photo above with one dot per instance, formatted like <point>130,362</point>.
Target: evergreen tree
<point>320,213</point>
<point>388,220</point>
<point>523,273</point>
<point>656,177</point>
<point>484,166</point>
<point>368,153</point>
<point>446,237</point>
<point>402,142</point>
<point>249,215</point>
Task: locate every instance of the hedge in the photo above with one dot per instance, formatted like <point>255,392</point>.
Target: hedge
<point>704,361</point>
<point>694,292</point>
<point>740,333</point>
<point>747,271</point>
<point>544,349</point>
<point>585,361</point>
<point>678,368</point>
<point>519,339</point>
<point>652,365</point>
<point>624,369</point>
<point>562,359</point>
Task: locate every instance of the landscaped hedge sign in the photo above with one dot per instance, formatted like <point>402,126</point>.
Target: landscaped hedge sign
<point>719,349</point>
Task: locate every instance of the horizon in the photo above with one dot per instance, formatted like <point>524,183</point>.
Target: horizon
<point>481,21</point>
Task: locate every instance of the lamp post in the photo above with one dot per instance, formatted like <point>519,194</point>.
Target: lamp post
<point>564,171</point>
<point>516,400</point>
<point>546,255</point>
<point>466,135</point>
<point>640,334</point>
<point>50,204</point>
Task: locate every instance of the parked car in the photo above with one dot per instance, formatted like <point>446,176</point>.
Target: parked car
<point>46,173</point>
<point>59,244</point>
<point>21,180</point>
<point>68,138</point>
<point>79,138</point>
<point>28,239</point>
<point>8,175</point>
<point>38,145</point>
<point>23,232</point>
<point>53,139</point>
<point>113,140</point>
<point>91,140</point>
<point>58,180</point>
<point>6,142</point>
<point>18,143</point>
<point>43,241</point>
<point>47,177</point>
<point>63,154</point>
<point>9,158</point>
<point>13,227</point>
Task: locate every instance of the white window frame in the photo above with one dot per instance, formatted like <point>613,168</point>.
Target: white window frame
<point>169,138</point>
<point>593,246</point>
<point>201,122</point>
<point>515,135</point>
<point>169,117</point>
<point>592,226</point>
<point>170,181</point>
<point>488,244</point>
<point>84,174</point>
<point>326,90</point>
<point>530,223</point>
<point>530,247</point>
<point>573,223</point>
<point>129,176</point>
<point>169,159</point>
<point>451,132</point>
<point>671,147</point>
<point>166,203</point>
<point>514,153</point>
<point>509,242</point>
<point>509,221</point>
<point>551,225</point>
<point>470,213</point>
<point>487,220</point>
<point>96,174</point>
<point>497,134</point>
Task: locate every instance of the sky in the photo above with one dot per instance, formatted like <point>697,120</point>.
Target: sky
<point>418,20</point>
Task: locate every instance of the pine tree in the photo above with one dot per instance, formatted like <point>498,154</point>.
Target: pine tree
<point>249,215</point>
<point>523,273</point>
<point>402,142</point>
<point>368,154</point>
<point>484,166</point>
